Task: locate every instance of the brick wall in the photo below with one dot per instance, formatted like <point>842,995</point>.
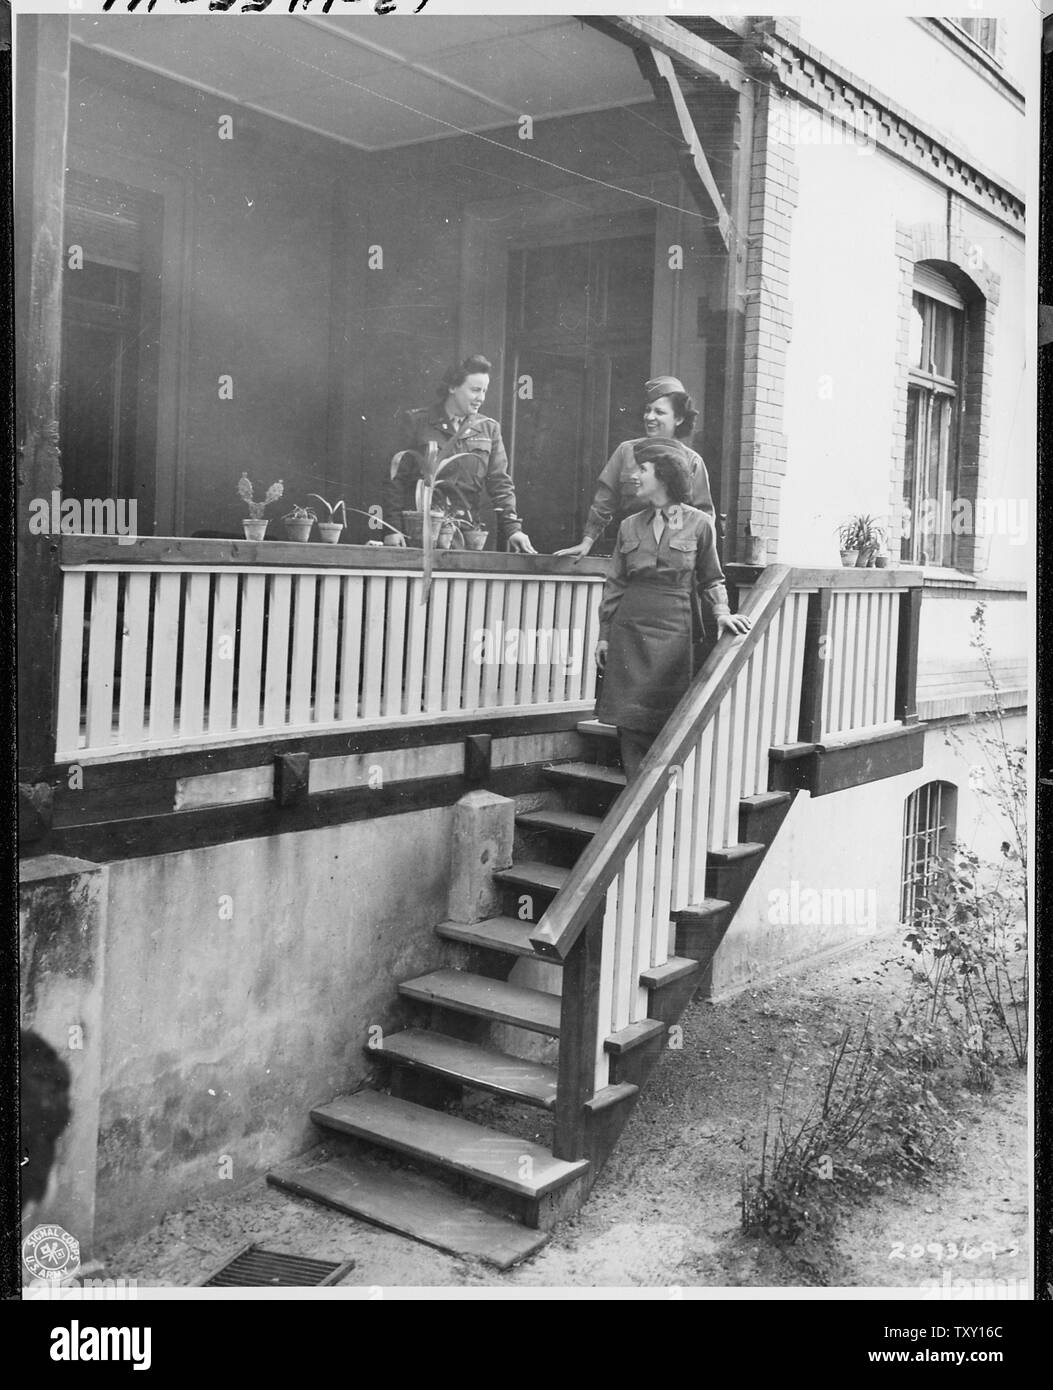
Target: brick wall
<point>768,319</point>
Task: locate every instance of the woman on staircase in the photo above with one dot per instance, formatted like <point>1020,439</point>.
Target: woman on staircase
<point>664,563</point>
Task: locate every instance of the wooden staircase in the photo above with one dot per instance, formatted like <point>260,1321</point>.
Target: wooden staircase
<point>628,892</point>
<point>464,1186</point>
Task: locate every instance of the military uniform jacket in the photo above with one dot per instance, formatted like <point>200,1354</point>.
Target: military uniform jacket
<point>484,473</point>
<point>685,556</point>
<point>614,493</point>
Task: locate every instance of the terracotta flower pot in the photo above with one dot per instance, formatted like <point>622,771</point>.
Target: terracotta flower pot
<point>413,527</point>
<point>330,531</point>
<point>475,540</point>
<point>444,540</point>
<point>756,550</point>
<point>850,558</point>
<point>255,528</point>
<point>298,530</point>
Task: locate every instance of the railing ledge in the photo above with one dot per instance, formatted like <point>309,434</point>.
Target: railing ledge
<point>77,551</point>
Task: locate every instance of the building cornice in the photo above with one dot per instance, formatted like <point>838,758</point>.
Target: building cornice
<point>818,80</point>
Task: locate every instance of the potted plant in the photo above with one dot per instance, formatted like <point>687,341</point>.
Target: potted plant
<point>473,532</point>
<point>863,537</point>
<point>849,549</point>
<point>255,523</point>
<point>330,528</point>
<point>413,523</point>
<point>298,523</point>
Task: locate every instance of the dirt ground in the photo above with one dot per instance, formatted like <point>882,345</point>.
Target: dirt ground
<point>665,1211</point>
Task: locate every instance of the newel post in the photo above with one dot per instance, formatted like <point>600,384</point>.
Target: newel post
<point>816,656</point>
<point>906,708</point>
<point>578,1025</point>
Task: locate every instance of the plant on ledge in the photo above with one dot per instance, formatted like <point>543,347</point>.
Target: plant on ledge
<point>861,538</point>
<point>298,523</point>
<point>429,517</point>
<point>255,523</point>
<point>330,528</point>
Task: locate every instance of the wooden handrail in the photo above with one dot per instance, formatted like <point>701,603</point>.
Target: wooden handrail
<point>134,552</point>
<point>591,876</point>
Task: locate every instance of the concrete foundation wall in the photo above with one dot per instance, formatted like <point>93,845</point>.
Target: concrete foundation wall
<point>849,847</point>
<point>242,981</point>
<point>61,933</point>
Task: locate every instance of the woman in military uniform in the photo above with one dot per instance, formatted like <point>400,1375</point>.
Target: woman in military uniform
<point>669,414</point>
<point>454,423</point>
<point>665,553</point>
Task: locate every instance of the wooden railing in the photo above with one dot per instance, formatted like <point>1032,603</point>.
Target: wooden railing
<point>170,644</point>
<point>827,654</point>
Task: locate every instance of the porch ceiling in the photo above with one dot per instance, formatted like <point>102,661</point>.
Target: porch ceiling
<point>378,87</point>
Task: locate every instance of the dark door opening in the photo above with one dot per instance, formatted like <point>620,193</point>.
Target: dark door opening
<point>578,352</point>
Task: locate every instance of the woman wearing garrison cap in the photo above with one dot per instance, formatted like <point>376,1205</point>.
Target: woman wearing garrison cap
<point>669,414</point>
<point>665,553</point>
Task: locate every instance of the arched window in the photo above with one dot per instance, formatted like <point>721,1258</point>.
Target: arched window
<point>929,816</point>
<point>934,401</point>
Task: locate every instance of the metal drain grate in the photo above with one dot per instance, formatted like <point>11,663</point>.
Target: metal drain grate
<point>254,1268</point>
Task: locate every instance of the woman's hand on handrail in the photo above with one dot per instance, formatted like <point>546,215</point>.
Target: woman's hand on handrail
<point>734,624</point>
<point>579,551</point>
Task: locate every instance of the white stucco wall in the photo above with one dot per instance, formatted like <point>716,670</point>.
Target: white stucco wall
<point>849,841</point>
<point>842,385</point>
<point>911,66</point>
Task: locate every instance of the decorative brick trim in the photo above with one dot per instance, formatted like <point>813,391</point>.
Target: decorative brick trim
<point>824,84</point>
<point>962,263</point>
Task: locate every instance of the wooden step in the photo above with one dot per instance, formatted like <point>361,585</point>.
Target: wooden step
<point>503,1160</point>
<point>635,1035</point>
<point>414,1205</point>
<point>761,801</point>
<point>675,968</point>
<point>592,728</point>
<point>569,822</point>
<point>469,1065</point>
<point>733,854</point>
<point>506,934</point>
<point>586,775</point>
<point>533,1009</point>
<point>702,911</point>
<point>533,873</point>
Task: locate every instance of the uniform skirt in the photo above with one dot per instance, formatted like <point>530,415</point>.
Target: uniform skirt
<point>649,659</point>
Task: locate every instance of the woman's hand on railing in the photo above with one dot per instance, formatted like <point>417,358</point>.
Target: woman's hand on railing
<point>734,624</point>
<point>579,551</point>
<point>519,544</point>
<point>601,656</point>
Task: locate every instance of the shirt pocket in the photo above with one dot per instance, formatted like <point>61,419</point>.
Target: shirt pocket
<point>683,550</point>
<point>478,444</point>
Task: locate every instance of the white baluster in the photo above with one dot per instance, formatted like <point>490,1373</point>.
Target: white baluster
<point>351,635</point>
<point>395,645</point>
<point>416,632</point>
<point>373,646</point>
<point>167,595</point>
<point>511,655</point>
<point>457,639</point>
<point>70,664</point>
<point>624,939</point>
<point>221,656</point>
<point>250,649</point>
<point>494,623</point>
<point>326,651</point>
<point>435,642</point>
<point>276,669</point>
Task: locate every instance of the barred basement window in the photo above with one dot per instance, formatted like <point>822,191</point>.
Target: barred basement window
<point>928,831</point>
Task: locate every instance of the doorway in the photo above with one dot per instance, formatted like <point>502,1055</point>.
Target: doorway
<point>577,352</point>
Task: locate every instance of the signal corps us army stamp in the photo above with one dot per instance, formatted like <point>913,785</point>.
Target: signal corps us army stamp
<point>49,1252</point>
